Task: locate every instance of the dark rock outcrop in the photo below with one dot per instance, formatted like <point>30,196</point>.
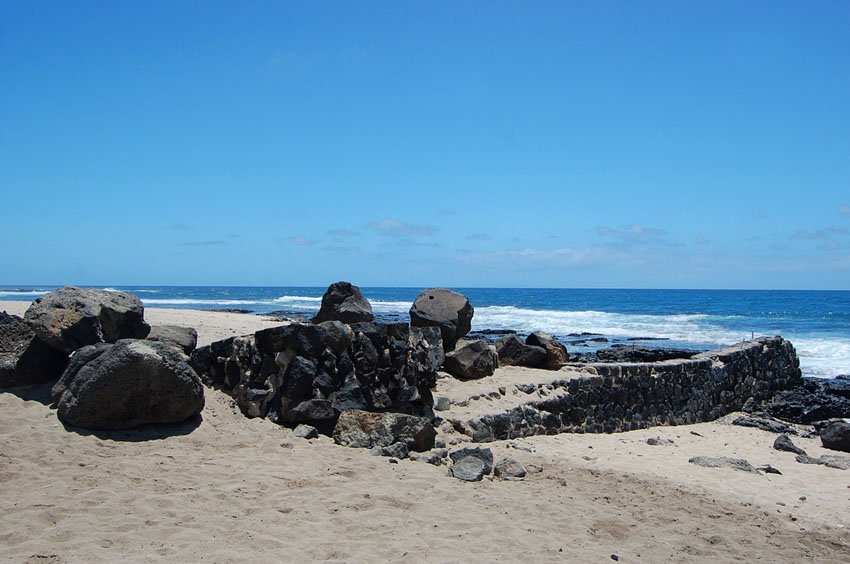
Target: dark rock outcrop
<point>129,383</point>
<point>556,353</point>
<point>816,399</point>
<point>183,338</point>
<point>72,317</point>
<point>471,360</point>
<point>344,302</point>
<point>513,352</point>
<point>364,429</point>
<point>24,358</point>
<point>622,353</point>
<point>834,434</point>
<point>448,310</point>
<point>765,424</point>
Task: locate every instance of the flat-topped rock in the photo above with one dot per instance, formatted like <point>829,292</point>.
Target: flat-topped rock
<point>448,310</point>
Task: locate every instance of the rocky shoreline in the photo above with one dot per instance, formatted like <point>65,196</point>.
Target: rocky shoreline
<point>749,461</point>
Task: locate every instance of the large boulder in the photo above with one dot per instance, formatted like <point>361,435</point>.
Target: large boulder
<point>512,351</point>
<point>24,358</point>
<point>182,338</point>
<point>439,307</point>
<point>834,434</point>
<point>129,383</point>
<point>472,359</point>
<point>364,429</point>
<point>71,317</point>
<point>344,302</point>
<point>556,353</point>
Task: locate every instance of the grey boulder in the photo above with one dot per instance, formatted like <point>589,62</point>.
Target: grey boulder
<point>343,301</point>
<point>365,429</point>
<point>24,358</point>
<point>129,383</point>
<point>183,338</point>
<point>449,311</point>
<point>72,317</point>
<point>472,360</point>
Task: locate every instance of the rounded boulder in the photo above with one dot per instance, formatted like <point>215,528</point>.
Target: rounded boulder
<point>448,310</point>
<point>129,383</point>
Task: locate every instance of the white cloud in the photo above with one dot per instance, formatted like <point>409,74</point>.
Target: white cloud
<point>301,241</point>
<point>396,228</point>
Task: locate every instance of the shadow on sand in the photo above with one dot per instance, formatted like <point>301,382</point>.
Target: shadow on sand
<point>149,432</point>
<point>41,393</point>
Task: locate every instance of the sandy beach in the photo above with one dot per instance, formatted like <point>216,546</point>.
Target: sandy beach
<point>229,489</point>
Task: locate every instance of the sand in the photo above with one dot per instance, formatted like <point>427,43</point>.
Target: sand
<point>229,489</point>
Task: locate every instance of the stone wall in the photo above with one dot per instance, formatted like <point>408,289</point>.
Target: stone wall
<point>607,398</point>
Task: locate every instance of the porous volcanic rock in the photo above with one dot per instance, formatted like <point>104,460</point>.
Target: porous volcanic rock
<point>556,353</point>
<point>365,429</point>
<point>129,383</point>
<point>513,352</point>
<point>623,353</point>
<point>448,310</point>
<point>183,338</point>
<point>72,317</point>
<point>24,358</point>
<point>343,301</point>
<point>471,360</point>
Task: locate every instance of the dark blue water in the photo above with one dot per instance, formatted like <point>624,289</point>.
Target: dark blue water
<point>817,322</point>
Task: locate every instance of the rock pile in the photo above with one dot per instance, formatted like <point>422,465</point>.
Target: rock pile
<point>115,379</point>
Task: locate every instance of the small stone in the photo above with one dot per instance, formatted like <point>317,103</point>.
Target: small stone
<point>396,450</point>
<point>509,468</point>
<point>442,403</point>
<point>306,432</point>
<point>768,469</point>
<point>783,442</point>
<point>439,443</point>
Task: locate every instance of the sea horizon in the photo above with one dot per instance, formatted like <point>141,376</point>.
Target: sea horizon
<point>817,322</point>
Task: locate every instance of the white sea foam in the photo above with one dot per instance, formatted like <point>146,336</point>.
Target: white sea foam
<point>15,294</point>
<point>696,329</point>
<point>187,301</point>
<point>109,289</point>
<point>823,358</point>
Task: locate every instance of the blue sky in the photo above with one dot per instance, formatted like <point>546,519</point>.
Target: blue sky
<point>536,144</point>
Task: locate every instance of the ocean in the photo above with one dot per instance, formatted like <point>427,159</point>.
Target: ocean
<point>816,322</point>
